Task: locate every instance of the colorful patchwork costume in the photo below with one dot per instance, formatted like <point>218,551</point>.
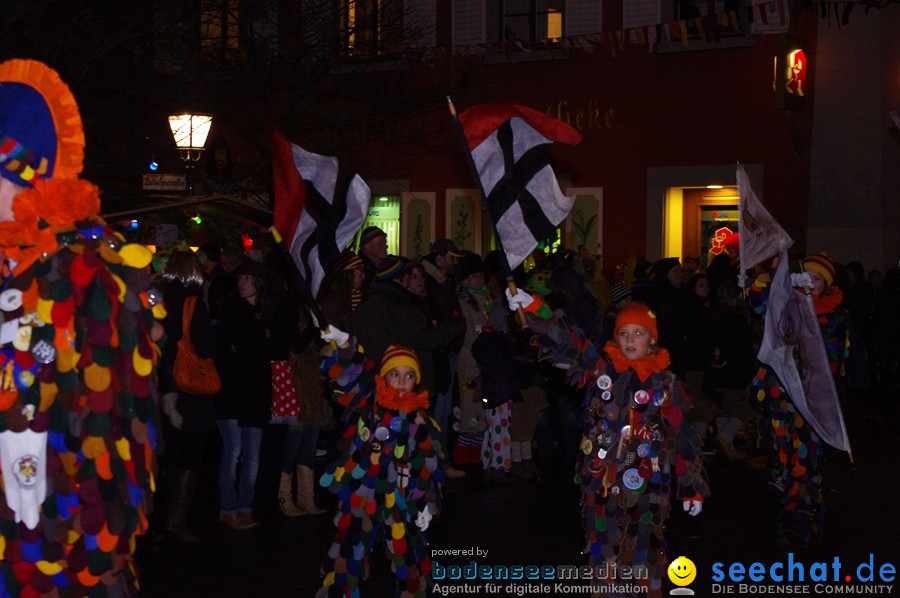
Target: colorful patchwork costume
<point>798,451</point>
<point>78,418</point>
<point>637,443</point>
<point>388,474</point>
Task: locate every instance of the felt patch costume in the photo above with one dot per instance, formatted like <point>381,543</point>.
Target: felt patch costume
<point>798,460</point>
<point>388,473</point>
<point>637,442</point>
<point>77,362</point>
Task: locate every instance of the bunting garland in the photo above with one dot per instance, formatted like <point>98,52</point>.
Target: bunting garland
<point>760,16</point>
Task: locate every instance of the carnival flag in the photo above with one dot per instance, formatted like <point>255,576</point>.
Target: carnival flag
<point>510,145</point>
<point>792,346</point>
<point>761,236</point>
<point>319,206</point>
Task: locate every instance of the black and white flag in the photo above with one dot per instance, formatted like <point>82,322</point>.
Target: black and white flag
<point>319,207</point>
<point>510,145</point>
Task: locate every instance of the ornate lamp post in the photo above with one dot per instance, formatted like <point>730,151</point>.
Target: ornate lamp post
<point>189,132</point>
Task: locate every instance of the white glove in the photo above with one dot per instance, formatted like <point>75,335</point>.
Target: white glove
<point>801,279</point>
<point>423,519</point>
<point>169,401</point>
<point>693,507</point>
<point>520,299</point>
<point>338,336</point>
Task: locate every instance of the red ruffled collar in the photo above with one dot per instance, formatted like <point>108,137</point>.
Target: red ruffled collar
<point>390,398</point>
<point>829,302</point>
<point>643,367</point>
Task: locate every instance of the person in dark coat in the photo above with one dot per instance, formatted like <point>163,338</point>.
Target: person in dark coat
<point>258,326</point>
<point>443,305</point>
<point>389,316</point>
<point>673,308</point>
<point>191,417</point>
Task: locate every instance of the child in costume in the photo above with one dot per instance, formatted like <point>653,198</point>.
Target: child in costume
<point>637,442</point>
<point>388,477</point>
<point>78,415</point>
<point>798,458</point>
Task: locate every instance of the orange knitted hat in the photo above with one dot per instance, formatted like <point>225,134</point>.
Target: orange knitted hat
<point>640,314</point>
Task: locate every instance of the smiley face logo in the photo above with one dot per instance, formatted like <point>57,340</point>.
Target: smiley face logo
<point>682,571</point>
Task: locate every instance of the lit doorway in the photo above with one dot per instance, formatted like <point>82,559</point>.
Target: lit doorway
<point>384,212</point>
<point>670,233</point>
<point>710,217</point>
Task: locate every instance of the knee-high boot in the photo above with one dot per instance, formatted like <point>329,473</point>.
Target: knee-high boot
<point>306,491</point>
<point>285,500</point>
<point>185,486</point>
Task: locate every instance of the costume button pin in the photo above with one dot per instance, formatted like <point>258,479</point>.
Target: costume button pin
<point>658,398</point>
<point>604,382</point>
<point>382,433</point>
<point>643,449</point>
<point>43,352</point>
<point>606,395</point>
<point>396,424</point>
<point>10,299</point>
<point>642,397</point>
<point>632,479</point>
<point>586,446</point>
<point>364,433</point>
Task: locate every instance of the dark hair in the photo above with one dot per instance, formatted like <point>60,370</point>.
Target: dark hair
<point>183,267</point>
<point>695,278</point>
<point>268,285</point>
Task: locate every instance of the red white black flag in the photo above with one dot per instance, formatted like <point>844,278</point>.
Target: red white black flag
<point>319,206</point>
<point>510,145</point>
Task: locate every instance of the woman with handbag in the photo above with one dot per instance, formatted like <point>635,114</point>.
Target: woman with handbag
<point>191,416</point>
<point>259,327</point>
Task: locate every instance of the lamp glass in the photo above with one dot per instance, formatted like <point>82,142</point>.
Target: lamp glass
<point>190,130</point>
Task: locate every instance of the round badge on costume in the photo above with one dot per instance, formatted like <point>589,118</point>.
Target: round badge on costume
<point>604,382</point>
<point>643,450</point>
<point>43,352</point>
<point>382,433</point>
<point>586,446</point>
<point>602,453</point>
<point>642,397</point>
<point>606,395</point>
<point>364,433</point>
<point>396,424</point>
<point>658,398</point>
<point>10,300</point>
<point>632,479</point>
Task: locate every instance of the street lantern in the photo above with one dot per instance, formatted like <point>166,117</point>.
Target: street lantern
<point>190,132</point>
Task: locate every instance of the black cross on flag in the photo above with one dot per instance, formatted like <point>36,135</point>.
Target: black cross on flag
<point>319,206</point>
<point>510,145</point>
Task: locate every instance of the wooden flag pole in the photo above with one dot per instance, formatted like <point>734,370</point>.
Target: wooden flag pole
<point>473,171</point>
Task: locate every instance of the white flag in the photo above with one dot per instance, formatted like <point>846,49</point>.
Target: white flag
<point>792,346</point>
<point>760,235</point>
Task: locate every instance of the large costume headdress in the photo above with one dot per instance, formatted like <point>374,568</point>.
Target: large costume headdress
<point>41,136</point>
<point>42,150</point>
